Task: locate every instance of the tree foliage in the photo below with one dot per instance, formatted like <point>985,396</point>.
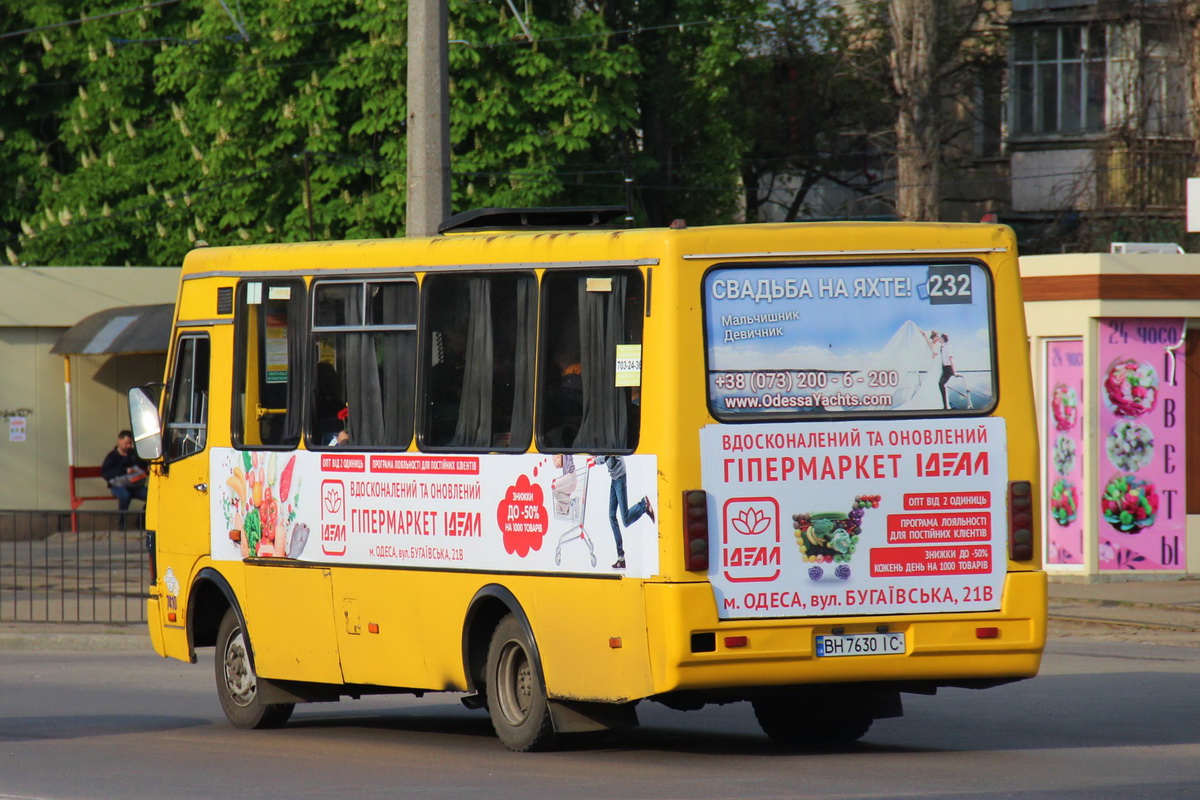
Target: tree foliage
<point>128,138</point>
<point>816,101</point>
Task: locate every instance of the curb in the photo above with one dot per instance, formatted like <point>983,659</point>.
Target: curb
<point>1109,603</point>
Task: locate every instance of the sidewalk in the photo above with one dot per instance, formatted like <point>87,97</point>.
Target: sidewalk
<point>1166,610</point>
<point>61,636</point>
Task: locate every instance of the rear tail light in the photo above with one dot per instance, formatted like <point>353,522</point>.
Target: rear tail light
<point>1020,520</point>
<point>695,529</point>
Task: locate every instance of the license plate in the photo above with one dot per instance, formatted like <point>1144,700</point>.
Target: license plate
<point>860,644</point>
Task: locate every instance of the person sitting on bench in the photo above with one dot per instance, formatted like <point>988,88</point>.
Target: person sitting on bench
<point>125,472</point>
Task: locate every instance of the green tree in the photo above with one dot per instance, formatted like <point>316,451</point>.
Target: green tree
<point>139,134</point>
<point>813,97</point>
<point>685,155</point>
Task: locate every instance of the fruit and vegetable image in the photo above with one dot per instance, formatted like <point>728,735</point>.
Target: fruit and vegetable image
<point>832,537</point>
<point>1129,503</point>
<point>260,506</point>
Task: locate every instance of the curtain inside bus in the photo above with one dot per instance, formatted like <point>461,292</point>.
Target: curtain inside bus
<point>367,367</point>
<point>604,424</point>
<point>474,428</point>
<point>478,383</point>
<point>586,317</point>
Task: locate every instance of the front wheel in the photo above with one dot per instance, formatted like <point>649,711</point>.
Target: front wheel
<point>237,685</point>
<point>516,697</point>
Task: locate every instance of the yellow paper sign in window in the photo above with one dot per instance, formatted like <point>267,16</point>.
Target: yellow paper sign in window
<point>629,365</point>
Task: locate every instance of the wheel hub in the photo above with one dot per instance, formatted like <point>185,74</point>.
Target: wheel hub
<point>238,675</point>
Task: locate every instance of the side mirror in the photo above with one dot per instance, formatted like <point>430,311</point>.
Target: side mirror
<point>147,427</point>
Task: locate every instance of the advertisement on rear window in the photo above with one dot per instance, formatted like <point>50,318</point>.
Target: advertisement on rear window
<point>833,518</point>
<point>564,513</point>
<point>841,340</point>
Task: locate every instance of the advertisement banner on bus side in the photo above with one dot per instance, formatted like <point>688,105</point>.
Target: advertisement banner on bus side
<point>564,513</point>
<point>826,519</point>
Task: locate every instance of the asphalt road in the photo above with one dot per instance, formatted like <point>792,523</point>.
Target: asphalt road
<point>1104,720</point>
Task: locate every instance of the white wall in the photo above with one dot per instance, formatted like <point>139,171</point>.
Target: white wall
<point>1053,180</point>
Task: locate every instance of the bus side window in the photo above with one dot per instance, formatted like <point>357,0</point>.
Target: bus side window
<point>269,373</point>
<point>187,418</point>
<point>582,405</point>
<point>366,357</point>
<point>478,361</point>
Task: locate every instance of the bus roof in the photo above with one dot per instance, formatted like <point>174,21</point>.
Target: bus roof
<point>610,247</point>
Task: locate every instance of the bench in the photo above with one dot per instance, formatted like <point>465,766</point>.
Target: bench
<point>85,473</point>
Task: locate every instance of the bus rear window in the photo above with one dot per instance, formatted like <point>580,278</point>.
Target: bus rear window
<point>849,340</point>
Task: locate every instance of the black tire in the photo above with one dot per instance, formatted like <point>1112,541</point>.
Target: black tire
<point>516,697</point>
<point>237,685</point>
<point>809,722</point>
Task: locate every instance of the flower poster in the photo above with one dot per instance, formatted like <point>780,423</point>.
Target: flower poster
<point>1140,419</point>
<point>1063,471</point>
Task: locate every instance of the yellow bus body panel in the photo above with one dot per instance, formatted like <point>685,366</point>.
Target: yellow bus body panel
<point>782,652</point>
<point>611,639</point>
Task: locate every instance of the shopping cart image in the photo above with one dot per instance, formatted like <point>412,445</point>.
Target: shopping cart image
<point>568,493</point>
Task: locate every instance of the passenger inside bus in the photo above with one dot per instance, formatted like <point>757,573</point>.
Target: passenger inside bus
<point>562,403</point>
<point>327,403</point>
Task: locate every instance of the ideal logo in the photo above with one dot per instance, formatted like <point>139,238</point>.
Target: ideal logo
<point>750,549</point>
<point>333,518</point>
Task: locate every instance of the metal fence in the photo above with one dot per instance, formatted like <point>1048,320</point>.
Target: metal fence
<point>83,566</point>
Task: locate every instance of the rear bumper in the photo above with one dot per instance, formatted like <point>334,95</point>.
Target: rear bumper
<point>939,648</point>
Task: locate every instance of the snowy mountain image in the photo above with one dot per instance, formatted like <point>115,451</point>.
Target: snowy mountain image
<point>903,376</point>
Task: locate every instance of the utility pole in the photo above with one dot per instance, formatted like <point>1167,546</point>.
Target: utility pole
<point>428,116</point>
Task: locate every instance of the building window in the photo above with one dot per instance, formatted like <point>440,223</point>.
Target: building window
<point>1059,79</point>
<point>989,116</point>
<point>1162,80</point>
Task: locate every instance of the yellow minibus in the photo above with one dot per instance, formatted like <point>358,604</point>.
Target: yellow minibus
<point>563,468</point>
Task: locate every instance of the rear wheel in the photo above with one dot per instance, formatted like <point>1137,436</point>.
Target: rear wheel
<point>810,721</point>
<point>237,685</point>
<point>516,697</point>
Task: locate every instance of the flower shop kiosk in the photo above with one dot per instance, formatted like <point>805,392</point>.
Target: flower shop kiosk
<point>1115,347</point>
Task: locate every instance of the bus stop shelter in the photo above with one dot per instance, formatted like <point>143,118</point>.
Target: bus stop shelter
<point>126,331</point>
